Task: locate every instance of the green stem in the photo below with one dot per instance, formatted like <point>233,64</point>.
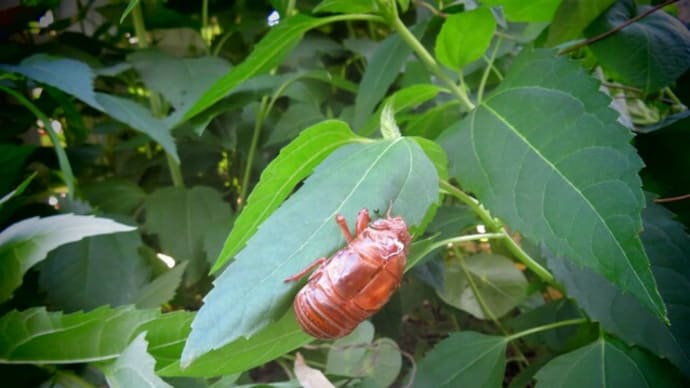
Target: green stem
<point>205,33</point>
<point>429,61</point>
<point>155,101</point>
<point>469,237</point>
<point>487,71</point>
<point>496,227</point>
<point>252,150</point>
<point>65,166</point>
<point>550,326</point>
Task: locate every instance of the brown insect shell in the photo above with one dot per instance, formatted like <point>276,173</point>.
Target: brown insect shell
<point>355,282</point>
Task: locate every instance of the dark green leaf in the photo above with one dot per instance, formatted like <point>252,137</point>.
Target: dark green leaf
<point>433,121</point>
<point>554,183</point>
<point>182,232</point>
<point>18,191</point>
<point>498,282</point>
<point>572,17</point>
<point>95,271</point>
<point>161,289</point>
<point>465,359</point>
<point>267,54</point>
<point>180,80</point>
<point>372,175</point>
<point>42,337</point>
<point>650,53</point>
<point>27,242</point>
<point>667,245</point>
<point>76,78</point>
<point>279,178</point>
<point>117,196</point>
<point>133,368</point>
<point>346,6</point>
<point>605,364</point>
<point>380,73</point>
<point>436,154</point>
<point>298,117</point>
<point>12,160</point>
<point>130,7</point>
<point>464,37</point>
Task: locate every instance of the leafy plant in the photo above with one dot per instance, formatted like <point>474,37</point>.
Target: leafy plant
<point>512,138</point>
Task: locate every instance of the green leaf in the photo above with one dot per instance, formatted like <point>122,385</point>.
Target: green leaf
<point>389,128</point>
<point>12,160</point>
<point>433,121</point>
<point>436,154</point>
<point>464,37</point>
<point>402,99</point>
<point>114,196</point>
<point>95,271</point>
<point>381,71</point>
<point>374,175</point>
<point>554,183</point>
<point>298,117</point>
<point>346,354</point>
<point>605,364</point>
<point>180,80</point>
<point>242,354</point>
<point>130,7</point>
<point>346,6</point>
<point>134,367</point>
<point>42,337</point>
<point>572,17</point>
<point>161,289</point>
<point>667,245</point>
<point>267,54</point>
<point>279,178</point>
<point>381,365</point>
<point>18,191</point>
<point>76,78</point>
<point>650,53</point>
<point>499,284</point>
<point>464,359</point>
<point>27,242</point>
<point>533,11</point>
<point>182,232</point>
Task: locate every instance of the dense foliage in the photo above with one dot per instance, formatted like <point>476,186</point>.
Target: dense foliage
<point>167,164</point>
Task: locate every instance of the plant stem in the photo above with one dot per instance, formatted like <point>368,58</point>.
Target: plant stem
<point>550,326</point>
<point>242,199</point>
<point>487,71</point>
<point>205,33</point>
<point>496,227</point>
<point>429,60</point>
<point>65,166</point>
<point>154,98</point>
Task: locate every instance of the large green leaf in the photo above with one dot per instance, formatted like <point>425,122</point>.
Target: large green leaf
<point>267,54</point>
<point>381,71</point>
<point>27,242</point>
<point>182,232</point>
<point>240,355</point>
<point>251,292</point>
<point>605,363</point>
<point>464,359</point>
<point>545,154</point>
<point>95,271</point>
<point>42,337</point>
<point>295,162</point>
<point>650,53</point>
<point>133,368</point>
<point>667,245</point>
<point>161,289</point>
<point>180,80</point>
<point>498,283</point>
<point>464,37</point>
<point>118,196</point>
<point>76,78</point>
<point>572,17</point>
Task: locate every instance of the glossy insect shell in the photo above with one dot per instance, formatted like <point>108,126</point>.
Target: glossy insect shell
<point>357,280</point>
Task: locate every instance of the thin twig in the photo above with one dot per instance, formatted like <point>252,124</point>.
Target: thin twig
<point>617,28</point>
<point>672,199</point>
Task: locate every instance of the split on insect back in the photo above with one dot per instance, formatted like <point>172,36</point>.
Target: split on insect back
<point>251,294</point>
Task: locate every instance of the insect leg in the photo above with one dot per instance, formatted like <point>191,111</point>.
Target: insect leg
<point>343,226</point>
<point>299,275</point>
<point>362,221</point>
